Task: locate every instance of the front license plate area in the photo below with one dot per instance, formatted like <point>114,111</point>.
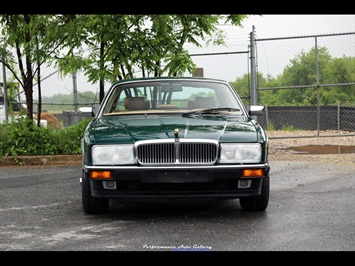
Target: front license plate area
<point>176,177</point>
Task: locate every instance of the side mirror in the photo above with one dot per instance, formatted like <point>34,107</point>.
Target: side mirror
<point>95,110</point>
<point>256,110</point>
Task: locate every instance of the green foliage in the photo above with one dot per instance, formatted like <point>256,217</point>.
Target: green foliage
<point>339,70</point>
<point>2,138</point>
<point>123,45</point>
<point>22,137</point>
<point>289,128</point>
<point>35,38</point>
<point>106,47</point>
<point>270,126</point>
<point>242,85</point>
<point>69,139</point>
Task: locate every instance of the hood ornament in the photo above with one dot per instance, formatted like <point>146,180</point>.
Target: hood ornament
<point>176,132</point>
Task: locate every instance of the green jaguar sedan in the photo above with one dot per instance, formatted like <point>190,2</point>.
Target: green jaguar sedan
<point>174,138</point>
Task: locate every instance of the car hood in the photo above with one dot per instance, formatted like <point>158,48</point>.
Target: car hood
<point>129,129</point>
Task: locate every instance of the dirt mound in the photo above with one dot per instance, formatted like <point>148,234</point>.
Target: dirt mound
<point>52,121</point>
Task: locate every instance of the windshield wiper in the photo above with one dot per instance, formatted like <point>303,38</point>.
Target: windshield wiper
<point>212,111</point>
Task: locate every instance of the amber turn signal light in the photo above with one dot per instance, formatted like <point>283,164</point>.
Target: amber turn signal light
<point>253,173</point>
<point>100,174</point>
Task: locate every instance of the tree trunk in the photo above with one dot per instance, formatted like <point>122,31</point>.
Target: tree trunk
<point>29,94</point>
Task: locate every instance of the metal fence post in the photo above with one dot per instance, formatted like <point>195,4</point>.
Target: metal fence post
<point>75,92</point>
<point>318,88</point>
<point>338,115</point>
<point>267,117</point>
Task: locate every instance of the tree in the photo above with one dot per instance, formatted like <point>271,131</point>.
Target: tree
<point>341,71</point>
<point>105,47</point>
<point>242,86</point>
<point>27,42</point>
<point>121,46</point>
<point>302,71</point>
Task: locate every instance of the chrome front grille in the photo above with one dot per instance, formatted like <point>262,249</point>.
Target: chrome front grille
<point>157,153</point>
<point>176,151</point>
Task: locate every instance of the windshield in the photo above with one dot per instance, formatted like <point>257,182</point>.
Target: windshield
<point>166,96</point>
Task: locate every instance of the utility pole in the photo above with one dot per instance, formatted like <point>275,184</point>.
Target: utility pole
<point>5,92</point>
<point>253,74</point>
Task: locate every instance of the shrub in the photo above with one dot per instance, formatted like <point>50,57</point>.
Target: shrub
<point>23,137</point>
<point>70,138</point>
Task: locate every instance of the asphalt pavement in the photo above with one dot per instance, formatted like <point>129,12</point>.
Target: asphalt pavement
<point>311,208</point>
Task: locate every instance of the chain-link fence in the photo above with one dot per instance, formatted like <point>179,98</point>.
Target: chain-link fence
<point>316,85</point>
<point>306,83</point>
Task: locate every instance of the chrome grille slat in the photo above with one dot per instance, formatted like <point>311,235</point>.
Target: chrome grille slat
<point>188,152</point>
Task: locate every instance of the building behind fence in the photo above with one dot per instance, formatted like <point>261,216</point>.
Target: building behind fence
<point>270,57</point>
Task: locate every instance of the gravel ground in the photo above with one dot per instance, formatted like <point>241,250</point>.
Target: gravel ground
<point>328,146</point>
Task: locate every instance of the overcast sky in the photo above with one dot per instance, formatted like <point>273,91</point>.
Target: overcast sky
<point>272,26</point>
<point>268,26</point>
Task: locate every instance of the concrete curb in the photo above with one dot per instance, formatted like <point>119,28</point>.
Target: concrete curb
<point>41,160</point>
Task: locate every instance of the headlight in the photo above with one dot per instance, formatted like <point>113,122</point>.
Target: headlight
<point>240,153</point>
<point>112,154</point>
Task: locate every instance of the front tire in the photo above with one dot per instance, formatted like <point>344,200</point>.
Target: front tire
<point>257,203</point>
<point>92,205</point>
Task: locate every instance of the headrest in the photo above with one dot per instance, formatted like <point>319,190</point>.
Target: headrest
<point>204,102</point>
<point>136,103</point>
